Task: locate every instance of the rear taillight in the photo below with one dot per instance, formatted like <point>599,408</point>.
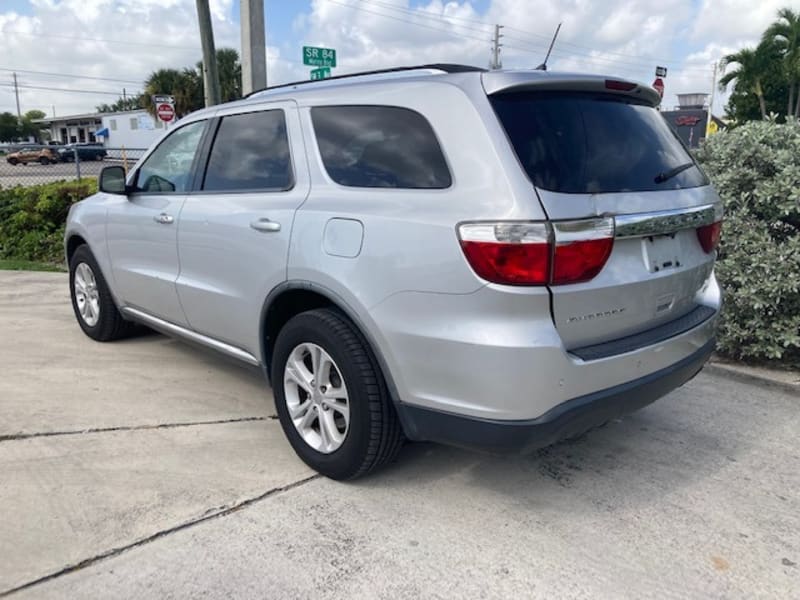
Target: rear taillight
<point>582,249</point>
<point>509,253</point>
<point>533,253</point>
<point>709,236</point>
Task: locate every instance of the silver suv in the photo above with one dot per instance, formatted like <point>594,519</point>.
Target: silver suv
<point>487,259</point>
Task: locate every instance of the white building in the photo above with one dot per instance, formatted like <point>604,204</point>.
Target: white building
<point>130,129</point>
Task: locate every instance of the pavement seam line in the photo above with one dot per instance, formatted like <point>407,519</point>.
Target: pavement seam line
<point>24,436</point>
<point>208,516</point>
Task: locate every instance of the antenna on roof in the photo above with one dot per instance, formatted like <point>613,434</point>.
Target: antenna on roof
<point>543,66</point>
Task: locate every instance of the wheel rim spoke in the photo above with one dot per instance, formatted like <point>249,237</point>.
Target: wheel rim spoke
<point>87,297</point>
<point>297,372</point>
<point>316,397</point>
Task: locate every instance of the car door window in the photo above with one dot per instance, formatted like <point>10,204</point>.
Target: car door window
<point>379,146</point>
<point>250,152</point>
<point>169,167</point>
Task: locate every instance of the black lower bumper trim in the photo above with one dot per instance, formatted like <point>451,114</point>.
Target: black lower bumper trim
<point>568,419</point>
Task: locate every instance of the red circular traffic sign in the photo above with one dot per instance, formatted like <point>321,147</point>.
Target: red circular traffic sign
<point>165,112</point>
<point>658,84</point>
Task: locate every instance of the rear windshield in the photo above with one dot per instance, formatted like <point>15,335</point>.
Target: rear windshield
<point>594,143</point>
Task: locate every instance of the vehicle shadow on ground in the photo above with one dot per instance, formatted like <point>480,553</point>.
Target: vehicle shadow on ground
<point>638,458</point>
<point>665,446</point>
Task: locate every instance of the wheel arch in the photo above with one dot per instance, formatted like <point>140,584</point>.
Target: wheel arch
<point>74,240</point>
<point>292,298</point>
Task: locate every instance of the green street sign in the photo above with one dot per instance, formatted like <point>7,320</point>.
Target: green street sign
<point>320,73</point>
<point>319,57</point>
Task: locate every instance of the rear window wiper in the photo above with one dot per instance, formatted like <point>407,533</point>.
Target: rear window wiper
<point>662,177</point>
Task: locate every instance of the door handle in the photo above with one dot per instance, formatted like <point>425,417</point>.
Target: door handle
<point>265,225</point>
<point>164,219</point>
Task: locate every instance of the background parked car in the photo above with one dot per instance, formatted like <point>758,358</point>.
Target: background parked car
<point>85,152</point>
<point>40,154</point>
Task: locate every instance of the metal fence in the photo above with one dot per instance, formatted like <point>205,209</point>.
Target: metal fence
<point>34,167</point>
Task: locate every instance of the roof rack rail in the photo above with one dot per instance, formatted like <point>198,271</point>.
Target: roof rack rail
<point>444,67</point>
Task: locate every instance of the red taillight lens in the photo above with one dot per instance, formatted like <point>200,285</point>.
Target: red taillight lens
<point>519,253</point>
<point>582,249</point>
<point>580,261</point>
<point>508,253</point>
<point>709,236</point>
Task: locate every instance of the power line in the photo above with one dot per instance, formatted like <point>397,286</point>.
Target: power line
<point>70,76</point>
<point>559,52</point>
<point>65,90</point>
<point>543,45</point>
<point>418,24</point>
<point>101,40</point>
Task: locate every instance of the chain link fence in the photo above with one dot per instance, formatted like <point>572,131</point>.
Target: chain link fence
<point>45,164</point>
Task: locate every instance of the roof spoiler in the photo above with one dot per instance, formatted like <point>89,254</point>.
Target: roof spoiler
<point>496,82</point>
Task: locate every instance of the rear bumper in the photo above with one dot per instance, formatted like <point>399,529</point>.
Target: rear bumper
<point>565,420</point>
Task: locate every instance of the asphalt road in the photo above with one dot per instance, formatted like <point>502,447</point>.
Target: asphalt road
<point>150,469</point>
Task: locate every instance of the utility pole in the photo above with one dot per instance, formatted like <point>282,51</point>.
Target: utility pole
<point>254,56</point>
<point>124,99</point>
<point>711,99</point>
<point>16,94</point>
<point>210,75</point>
<point>496,45</point>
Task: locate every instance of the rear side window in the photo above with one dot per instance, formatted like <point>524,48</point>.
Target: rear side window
<point>379,146</point>
<point>250,152</point>
<point>594,143</point>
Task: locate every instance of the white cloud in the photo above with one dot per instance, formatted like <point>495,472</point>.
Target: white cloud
<point>627,38</point>
<point>66,38</point>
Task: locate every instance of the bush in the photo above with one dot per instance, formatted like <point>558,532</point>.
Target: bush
<point>755,169</point>
<point>32,219</point>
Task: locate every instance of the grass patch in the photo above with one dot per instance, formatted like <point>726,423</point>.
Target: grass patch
<point>29,265</point>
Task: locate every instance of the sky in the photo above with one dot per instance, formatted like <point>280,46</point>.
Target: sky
<point>71,55</point>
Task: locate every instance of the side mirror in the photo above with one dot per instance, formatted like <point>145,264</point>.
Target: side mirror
<point>112,180</point>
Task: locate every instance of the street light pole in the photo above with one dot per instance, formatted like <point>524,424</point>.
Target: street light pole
<point>16,94</point>
<point>210,74</point>
<point>254,58</point>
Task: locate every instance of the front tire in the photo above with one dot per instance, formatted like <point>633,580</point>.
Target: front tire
<point>92,302</point>
<point>331,397</point>
<point>44,160</point>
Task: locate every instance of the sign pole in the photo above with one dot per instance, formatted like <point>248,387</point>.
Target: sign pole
<point>711,99</point>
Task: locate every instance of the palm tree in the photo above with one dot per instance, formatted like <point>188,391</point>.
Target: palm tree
<point>785,33</point>
<point>751,63</point>
<point>230,74</point>
<point>184,85</point>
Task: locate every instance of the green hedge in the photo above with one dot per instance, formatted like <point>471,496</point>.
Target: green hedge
<point>756,170</point>
<point>32,219</point>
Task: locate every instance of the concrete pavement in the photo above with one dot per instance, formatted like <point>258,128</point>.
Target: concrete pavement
<point>185,487</point>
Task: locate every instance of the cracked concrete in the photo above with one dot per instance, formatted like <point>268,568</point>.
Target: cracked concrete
<point>150,469</point>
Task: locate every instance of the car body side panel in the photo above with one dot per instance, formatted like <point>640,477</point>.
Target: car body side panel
<point>409,235</point>
<point>227,267</point>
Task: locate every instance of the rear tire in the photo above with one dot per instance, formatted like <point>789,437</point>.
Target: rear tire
<point>13,161</point>
<point>44,160</point>
<point>371,433</point>
<point>94,307</point>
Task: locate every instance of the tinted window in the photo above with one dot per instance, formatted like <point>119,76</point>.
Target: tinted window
<point>592,143</point>
<point>250,152</point>
<point>379,146</point>
<point>169,167</point>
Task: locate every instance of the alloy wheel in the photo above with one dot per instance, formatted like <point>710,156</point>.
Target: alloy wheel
<point>316,397</point>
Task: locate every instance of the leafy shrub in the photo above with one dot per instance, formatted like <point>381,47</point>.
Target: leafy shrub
<point>32,219</point>
<point>756,170</point>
